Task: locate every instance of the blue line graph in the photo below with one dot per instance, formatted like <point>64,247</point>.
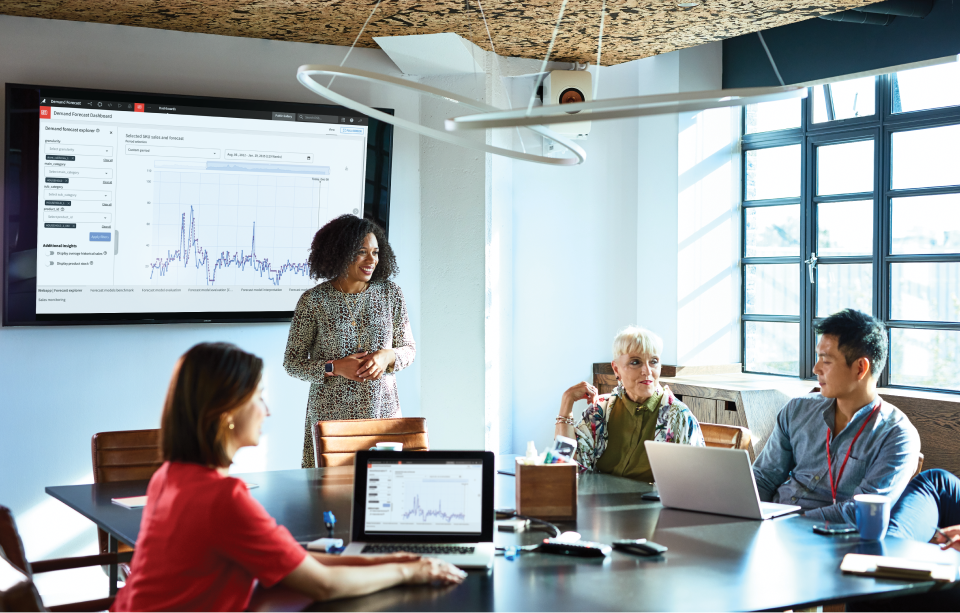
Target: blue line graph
<point>425,514</point>
<point>189,249</point>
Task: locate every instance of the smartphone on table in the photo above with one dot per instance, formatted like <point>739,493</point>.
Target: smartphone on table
<point>831,528</point>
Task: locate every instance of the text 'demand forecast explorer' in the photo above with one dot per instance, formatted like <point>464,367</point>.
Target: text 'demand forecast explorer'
<point>412,497</point>
<point>145,212</point>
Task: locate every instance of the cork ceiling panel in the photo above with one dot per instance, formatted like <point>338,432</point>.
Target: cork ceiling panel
<point>633,28</point>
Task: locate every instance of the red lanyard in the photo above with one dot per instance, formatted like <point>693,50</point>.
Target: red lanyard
<point>833,486</point>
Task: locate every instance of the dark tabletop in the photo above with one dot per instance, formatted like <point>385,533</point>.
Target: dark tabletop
<point>713,562</point>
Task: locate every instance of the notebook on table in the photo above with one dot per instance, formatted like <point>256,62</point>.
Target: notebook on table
<point>709,480</point>
<point>431,503</point>
<point>898,568</point>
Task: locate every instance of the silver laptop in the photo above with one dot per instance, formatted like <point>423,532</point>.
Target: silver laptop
<point>432,503</point>
<point>709,480</point>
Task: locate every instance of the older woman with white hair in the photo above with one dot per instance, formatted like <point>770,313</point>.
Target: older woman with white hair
<point>614,426</point>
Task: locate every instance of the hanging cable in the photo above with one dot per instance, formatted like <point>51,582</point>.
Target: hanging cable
<point>496,60</point>
<point>770,57</point>
<point>359,34</point>
<point>546,59</point>
<point>596,82</point>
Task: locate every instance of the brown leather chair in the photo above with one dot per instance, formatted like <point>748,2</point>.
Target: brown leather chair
<point>130,455</point>
<point>336,442</point>
<point>17,591</point>
<point>727,437</point>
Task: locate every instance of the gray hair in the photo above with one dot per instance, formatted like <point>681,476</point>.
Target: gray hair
<point>637,341</point>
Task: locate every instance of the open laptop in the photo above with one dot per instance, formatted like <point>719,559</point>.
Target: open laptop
<point>432,503</point>
<point>709,480</point>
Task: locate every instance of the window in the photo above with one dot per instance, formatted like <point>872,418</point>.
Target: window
<point>851,198</point>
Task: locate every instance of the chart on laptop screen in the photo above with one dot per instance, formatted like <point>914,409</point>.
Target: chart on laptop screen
<point>424,496</point>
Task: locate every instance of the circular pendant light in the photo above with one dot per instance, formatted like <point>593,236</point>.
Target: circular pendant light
<point>307,72</point>
<point>620,108</point>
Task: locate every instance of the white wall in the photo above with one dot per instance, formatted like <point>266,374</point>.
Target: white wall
<point>574,264</point>
<point>708,214</point>
<point>645,232</point>
<point>59,385</point>
<point>453,231</point>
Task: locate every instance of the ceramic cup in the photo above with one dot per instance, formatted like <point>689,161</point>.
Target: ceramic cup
<point>873,516</point>
<point>388,447</point>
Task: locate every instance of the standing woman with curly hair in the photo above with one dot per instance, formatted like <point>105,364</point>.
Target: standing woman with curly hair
<point>350,334</point>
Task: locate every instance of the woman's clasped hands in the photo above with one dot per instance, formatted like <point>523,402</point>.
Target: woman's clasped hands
<point>364,366</point>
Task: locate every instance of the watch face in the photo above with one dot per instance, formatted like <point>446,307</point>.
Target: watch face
<point>328,367</point>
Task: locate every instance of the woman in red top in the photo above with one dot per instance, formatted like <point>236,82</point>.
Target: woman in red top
<point>204,541</point>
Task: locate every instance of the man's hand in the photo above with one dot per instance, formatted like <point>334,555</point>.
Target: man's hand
<point>948,537</point>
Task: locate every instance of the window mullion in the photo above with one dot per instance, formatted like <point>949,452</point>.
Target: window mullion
<point>807,242</point>
<point>883,226</point>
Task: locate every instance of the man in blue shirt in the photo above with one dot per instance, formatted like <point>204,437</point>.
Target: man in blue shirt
<point>846,440</point>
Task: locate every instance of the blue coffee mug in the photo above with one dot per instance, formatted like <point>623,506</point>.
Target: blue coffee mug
<point>873,516</point>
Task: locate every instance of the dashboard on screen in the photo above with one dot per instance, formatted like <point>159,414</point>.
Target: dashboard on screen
<point>127,207</point>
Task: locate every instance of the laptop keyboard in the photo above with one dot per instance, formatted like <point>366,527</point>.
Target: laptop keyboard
<point>419,549</point>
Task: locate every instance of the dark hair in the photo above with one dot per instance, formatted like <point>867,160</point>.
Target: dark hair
<point>337,243</point>
<point>858,336</point>
<point>210,382</point>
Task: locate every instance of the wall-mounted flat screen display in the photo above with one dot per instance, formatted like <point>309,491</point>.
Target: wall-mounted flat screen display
<point>123,207</point>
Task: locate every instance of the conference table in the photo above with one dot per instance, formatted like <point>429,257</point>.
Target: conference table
<point>714,562</point>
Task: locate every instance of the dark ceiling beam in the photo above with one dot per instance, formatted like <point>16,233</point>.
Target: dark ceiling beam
<point>818,49</point>
<point>883,13</point>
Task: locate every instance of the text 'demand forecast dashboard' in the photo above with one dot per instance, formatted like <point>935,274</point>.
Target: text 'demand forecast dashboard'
<point>412,497</point>
<point>151,209</point>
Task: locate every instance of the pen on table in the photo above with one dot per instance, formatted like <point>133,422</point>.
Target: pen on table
<point>949,539</point>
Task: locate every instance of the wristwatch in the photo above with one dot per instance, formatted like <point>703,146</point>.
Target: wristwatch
<point>328,368</point>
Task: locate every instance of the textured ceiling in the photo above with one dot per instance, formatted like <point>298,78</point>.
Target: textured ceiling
<point>633,28</point>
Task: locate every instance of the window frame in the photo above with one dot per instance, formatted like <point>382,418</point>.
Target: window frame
<point>879,127</point>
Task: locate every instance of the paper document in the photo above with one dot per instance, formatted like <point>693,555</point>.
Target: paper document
<point>898,568</point>
<point>132,502</point>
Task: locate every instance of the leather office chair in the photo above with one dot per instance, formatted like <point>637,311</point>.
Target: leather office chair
<point>336,442</point>
<point>727,437</point>
<point>130,455</point>
<point>17,591</point>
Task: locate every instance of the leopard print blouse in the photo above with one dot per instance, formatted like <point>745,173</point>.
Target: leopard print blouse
<point>322,330</point>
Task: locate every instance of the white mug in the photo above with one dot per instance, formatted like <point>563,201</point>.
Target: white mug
<point>388,447</point>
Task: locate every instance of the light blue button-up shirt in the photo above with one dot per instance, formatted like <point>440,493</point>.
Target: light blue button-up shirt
<point>792,468</point>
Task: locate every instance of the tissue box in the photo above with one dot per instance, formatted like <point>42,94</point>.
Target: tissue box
<point>547,491</point>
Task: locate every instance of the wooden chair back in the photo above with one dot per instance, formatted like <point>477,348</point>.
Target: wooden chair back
<point>336,442</point>
<point>17,591</point>
<point>724,436</point>
<point>10,544</point>
<point>603,378</point>
<point>130,455</point>
<point>919,465</point>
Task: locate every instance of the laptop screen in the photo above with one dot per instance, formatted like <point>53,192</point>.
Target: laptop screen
<point>423,496</point>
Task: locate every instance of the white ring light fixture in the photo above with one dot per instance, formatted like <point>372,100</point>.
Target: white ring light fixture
<point>307,72</point>
<point>618,108</point>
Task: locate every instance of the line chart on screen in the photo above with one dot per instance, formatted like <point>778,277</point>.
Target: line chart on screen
<point>235,224</point>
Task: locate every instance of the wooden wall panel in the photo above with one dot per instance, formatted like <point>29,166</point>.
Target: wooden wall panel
<point>937,420</point>
<point>728,414</point>
<point>704,409</point>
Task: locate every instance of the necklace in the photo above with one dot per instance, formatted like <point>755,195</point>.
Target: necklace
<point>355,314</point>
